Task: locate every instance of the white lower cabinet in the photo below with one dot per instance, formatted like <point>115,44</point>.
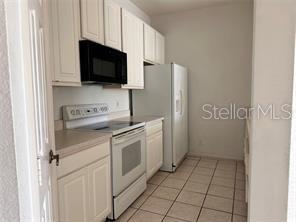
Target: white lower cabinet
<point>154,149</point>
<point>100,189</point>
<point>85,194</point>
<point>73,194</point>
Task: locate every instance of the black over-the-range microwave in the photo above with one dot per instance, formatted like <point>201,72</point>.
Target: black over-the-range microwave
<point>101,64</point>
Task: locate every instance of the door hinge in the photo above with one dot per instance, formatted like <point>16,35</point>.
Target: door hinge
<point>54,157</point>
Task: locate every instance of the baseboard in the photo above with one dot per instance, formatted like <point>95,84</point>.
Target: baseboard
<point>204,154</point>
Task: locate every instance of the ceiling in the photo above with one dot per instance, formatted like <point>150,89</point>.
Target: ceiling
<point>158,7</point>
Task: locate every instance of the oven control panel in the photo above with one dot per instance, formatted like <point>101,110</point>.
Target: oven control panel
<point>84,111</point>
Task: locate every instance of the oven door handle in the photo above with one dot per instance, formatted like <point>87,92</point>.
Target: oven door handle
<point>127,136</point>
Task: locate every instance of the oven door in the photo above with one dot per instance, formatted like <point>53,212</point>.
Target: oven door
<point>128,159</point>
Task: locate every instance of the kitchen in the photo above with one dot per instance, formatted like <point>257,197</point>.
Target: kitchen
<point>118,90</point>
<point>137,140</point>
<point>89,95</point>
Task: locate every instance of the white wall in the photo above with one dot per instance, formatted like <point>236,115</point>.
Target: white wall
<point>9,208</point>
<point>274,37</point>
<point>117,99</point>
<point>215,43</point>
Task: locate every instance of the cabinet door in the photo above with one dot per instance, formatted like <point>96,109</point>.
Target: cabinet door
<point>154,153</point>
<point>149,38</point>
<point>159,48</point>
<point>132,44</point>
<point>74,197</point>
<point>66,32</point>
<point>139,50</point>
<point>112,18</point>
<point>100,189</point>
<point>92,20</point>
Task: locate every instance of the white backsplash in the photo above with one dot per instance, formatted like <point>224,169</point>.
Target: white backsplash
<point>117,99</point>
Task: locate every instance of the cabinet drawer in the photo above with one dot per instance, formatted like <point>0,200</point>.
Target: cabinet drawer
<point>152,129</point>
<point>79,160</point>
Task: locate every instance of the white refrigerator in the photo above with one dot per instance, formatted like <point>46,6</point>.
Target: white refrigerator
<point>166,94</point>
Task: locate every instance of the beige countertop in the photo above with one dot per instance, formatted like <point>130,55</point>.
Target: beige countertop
<point>145,119</point>
<point>72,141</point>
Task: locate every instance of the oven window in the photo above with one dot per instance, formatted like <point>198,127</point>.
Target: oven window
<point>131,157</point>
<point>104,68</point>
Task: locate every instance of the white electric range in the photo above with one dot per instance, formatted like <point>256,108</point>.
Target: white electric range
<point>128,150</point>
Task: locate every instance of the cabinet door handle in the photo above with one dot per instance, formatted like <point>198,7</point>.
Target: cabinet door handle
<point>54,157</point>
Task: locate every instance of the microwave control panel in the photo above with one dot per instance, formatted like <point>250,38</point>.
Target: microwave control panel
<point>84,111</point>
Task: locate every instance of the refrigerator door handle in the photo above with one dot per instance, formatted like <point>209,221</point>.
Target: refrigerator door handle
<point>181,103</point>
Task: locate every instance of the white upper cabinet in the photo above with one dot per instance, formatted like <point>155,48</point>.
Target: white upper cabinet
<point>132,44</point>
<point>154,45</point>
<point>149,41</point>
<point>112,19</point>
<point>92,20</point>
<point>159,48</point>
<point>104,22</point>
<point>65,28</point>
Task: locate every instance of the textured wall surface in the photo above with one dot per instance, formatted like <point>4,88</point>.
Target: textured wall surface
<point>215,43</point>
<point>273,73</point>
<point>9,210</point>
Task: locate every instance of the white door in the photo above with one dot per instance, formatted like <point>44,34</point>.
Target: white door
<point>74,197</point>
<point>139,50</point>
<point>129,159</point>
<point>112,19</point>
<point>65,22</point>
<point>92,20</point>
<point>149,43</point>
<point>154,153</point>
<point>132,45</point>
<point>180,113</point>
<point>99,175</point>
<point>42,119</point>
<point>159,48</point>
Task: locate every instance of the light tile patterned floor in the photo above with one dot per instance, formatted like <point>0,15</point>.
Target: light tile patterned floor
<point>202,190</point>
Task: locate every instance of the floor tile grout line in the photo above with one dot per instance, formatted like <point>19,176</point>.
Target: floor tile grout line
<point>181,190</point>
<point>137,209</point>
<point>222,211</point>
<point>207,191</point>
<point>234,192</point>
<point>199,159</point>
<point>213,195</point>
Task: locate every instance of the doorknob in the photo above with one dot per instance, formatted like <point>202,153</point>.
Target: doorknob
<point>54,157</point>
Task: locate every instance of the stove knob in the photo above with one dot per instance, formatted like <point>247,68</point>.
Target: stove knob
<point>73,112</point>
<point>95,110</point>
